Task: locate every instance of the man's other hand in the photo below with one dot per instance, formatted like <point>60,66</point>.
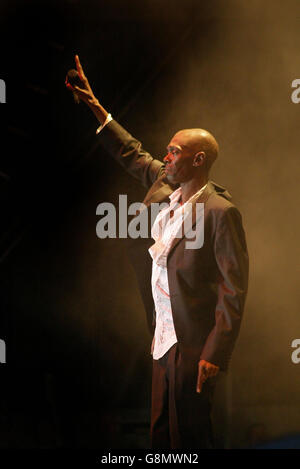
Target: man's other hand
<point>205,370</point>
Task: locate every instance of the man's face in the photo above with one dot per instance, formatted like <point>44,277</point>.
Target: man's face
<point>179,161</point>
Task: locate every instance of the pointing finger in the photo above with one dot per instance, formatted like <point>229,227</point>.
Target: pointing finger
<point>79,67</point>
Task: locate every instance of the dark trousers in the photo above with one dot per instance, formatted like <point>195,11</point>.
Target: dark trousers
<point>180,417</point>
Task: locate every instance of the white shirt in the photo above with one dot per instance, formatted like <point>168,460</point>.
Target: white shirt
<point>164,230</point>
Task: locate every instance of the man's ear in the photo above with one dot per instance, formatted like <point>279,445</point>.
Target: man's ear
<point>199,158</point>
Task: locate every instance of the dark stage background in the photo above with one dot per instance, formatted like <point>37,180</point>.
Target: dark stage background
<point>78,365</point>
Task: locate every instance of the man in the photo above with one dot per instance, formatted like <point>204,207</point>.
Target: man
<point>198,294</point>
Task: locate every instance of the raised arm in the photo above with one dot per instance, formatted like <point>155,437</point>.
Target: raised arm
<point>126,149</point>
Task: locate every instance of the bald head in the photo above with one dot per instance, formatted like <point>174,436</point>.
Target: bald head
<point>198,140</point>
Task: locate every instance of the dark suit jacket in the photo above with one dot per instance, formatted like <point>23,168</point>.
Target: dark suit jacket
<point>208,285</point>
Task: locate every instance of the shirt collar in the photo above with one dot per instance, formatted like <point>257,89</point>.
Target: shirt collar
<point>175,196</point>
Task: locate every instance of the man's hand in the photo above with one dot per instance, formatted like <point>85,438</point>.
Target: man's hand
<point>205,370</point>
<point>85,93</point>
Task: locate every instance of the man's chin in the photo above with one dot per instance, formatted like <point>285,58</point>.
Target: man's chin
<point>171,178</point>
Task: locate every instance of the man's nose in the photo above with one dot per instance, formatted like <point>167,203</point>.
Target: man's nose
<point>168,157</point>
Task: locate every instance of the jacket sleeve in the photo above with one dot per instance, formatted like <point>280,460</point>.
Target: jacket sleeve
<point>231,256</point>
<point>128,152</point>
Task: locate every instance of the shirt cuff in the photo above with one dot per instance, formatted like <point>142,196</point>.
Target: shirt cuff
<point>107,120</point>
